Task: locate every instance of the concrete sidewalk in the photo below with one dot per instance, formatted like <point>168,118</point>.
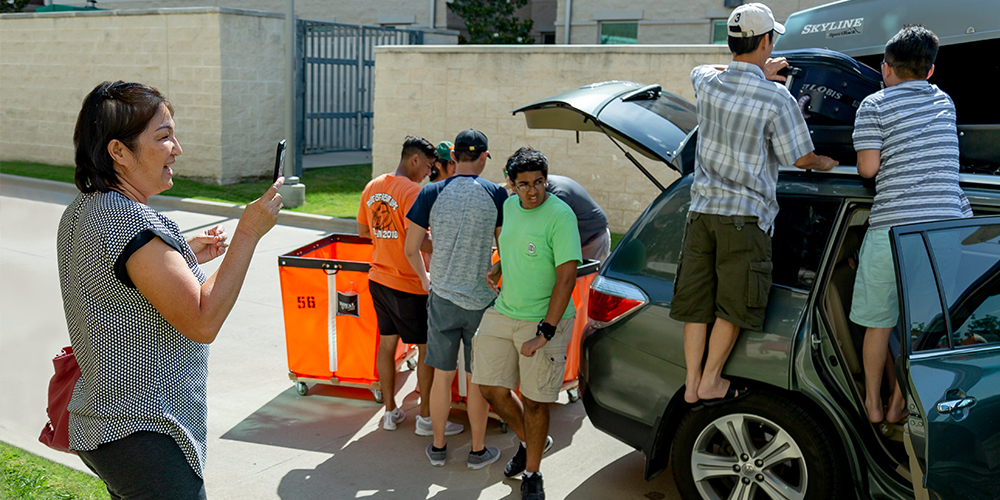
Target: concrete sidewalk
<point>266,441</point>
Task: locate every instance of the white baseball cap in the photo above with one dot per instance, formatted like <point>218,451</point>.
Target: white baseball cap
<point>753,19</point>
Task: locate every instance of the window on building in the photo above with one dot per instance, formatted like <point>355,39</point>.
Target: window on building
<point>619,33</point>
<point>548,38</point>
<point>719,32</point>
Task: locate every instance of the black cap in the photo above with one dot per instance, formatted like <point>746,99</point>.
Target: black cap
<point>471,140</point>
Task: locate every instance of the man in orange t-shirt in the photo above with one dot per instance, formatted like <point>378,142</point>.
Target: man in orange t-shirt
<point>399,298</point>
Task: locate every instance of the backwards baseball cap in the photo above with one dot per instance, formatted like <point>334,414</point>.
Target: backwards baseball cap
<point>473,141</point>
<point>753,19</point>
<point>444,151</point>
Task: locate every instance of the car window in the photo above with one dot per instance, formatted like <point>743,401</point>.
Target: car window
<point>653,247</point>
<point>967,264</point>
<point>927,330</point>
<point>969,260</point>
<point>801,230</point>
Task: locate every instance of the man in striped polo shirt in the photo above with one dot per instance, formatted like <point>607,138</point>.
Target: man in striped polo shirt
<point>906,138</point>
<point>748,125</point>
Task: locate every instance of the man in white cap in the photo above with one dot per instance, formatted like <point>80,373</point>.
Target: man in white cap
<point>748,126</point>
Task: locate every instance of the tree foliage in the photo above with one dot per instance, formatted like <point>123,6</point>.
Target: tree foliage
<point>12,5</point>
<point>493,21</point>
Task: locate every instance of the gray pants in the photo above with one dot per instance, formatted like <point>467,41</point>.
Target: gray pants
<point>598,248</point>
<point>447,324</point>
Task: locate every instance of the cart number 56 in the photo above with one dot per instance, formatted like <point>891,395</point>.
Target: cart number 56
<point>306,302</point>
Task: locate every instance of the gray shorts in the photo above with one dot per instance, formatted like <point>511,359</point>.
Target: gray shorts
<point>447,324</point>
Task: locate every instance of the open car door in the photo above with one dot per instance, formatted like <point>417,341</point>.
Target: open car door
<point>949,277</point>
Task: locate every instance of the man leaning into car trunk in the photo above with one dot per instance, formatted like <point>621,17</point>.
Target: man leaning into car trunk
<point>747,127</point>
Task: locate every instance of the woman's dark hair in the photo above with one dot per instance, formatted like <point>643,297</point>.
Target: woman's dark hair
<point>739,46</point>
<point>113,110</point>
<point>912,51</point>
<point>526,159</point>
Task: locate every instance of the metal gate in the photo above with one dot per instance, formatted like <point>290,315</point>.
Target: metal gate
<point>335,80</point>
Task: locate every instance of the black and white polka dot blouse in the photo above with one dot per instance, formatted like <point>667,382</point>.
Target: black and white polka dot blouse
<point>138,372</point>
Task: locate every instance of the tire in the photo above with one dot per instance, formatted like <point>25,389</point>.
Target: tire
<point>377,396</point>
<point>301,388</point>
<point>411,363</point>
<point>809,467</point>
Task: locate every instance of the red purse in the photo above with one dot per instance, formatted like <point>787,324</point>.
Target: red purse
<point>55,433</point>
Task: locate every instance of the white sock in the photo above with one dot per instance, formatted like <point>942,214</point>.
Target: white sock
<point>524,445</point>
<point>529,474</point>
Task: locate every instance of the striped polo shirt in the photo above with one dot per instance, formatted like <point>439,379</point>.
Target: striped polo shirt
<point>913,125</point>
<point>748,126</point>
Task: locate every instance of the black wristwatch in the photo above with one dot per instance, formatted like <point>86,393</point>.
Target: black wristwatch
<point>546,330</point>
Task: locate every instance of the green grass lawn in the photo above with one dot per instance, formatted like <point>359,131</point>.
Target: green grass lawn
<point>331,191</point>
<point>27,476</point>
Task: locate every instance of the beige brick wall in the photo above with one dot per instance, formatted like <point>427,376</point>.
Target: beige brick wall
<point>49,62</point>
<point>252,94</point>
<point>437,92</point>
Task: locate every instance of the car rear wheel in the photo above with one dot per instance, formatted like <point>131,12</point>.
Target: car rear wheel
<point>759,447</point>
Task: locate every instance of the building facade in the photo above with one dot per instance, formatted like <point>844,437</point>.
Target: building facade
<point>655,22</point>
<point>647,22</point>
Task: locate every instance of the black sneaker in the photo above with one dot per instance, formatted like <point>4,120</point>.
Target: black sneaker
<point>519,461</point>
<point>531,488</point>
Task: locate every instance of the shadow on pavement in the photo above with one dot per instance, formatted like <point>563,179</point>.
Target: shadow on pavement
<point>326,415</point>
<point>610,481</point>
<point>392,465</point>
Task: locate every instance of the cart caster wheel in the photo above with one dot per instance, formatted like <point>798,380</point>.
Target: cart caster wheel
<point>301,388</point>
<point>574,395</point>
<point>504,427</point>
<point>377,394</point>
<point>411,364</point>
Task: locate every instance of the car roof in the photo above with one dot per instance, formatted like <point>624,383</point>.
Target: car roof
<point>844,182</point>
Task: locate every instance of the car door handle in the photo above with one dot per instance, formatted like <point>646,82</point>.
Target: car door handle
<point>955,404</point>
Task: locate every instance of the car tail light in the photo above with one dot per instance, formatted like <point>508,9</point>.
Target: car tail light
<point>611,300</point>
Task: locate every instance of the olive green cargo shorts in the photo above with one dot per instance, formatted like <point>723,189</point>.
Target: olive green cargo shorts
<point>724,271</point>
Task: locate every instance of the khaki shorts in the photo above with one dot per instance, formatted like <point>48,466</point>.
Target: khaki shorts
<point>497,359</point>
<point>724,271</point>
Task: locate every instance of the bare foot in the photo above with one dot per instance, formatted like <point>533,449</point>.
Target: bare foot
<point>897,408</point>
<point>713,391</point>
<point>875,414</point>
<point>691,390</point>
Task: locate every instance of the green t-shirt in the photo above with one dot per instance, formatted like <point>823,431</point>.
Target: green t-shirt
<point>532,244</point>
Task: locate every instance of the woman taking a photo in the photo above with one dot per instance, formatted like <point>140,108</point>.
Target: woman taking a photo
<point>140,310</point>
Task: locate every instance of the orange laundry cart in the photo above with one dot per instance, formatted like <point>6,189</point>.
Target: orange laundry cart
<point>330,327</point>
<point>585,274</point>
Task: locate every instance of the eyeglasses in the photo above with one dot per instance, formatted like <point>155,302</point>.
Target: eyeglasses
<point>524,187</point>
<point>886,63</point>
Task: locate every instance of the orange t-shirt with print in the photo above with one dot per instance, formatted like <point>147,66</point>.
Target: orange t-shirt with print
<point>384,204</point>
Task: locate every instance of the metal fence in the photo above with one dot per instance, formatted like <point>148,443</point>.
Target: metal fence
<point>335,81</point>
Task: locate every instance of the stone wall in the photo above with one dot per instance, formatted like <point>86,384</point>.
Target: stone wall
<point>437,92</point>
<point>220,68</point>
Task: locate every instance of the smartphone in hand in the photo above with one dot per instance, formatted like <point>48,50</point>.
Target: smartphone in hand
<point>279,161</point>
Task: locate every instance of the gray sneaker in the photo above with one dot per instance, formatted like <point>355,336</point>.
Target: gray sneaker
<point>477,462</point>
<point>437,458</point>
<point>391,418</point>
<point>425,428</point>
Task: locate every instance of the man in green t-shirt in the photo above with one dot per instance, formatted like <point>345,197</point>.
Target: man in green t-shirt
<point>523,338</point>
